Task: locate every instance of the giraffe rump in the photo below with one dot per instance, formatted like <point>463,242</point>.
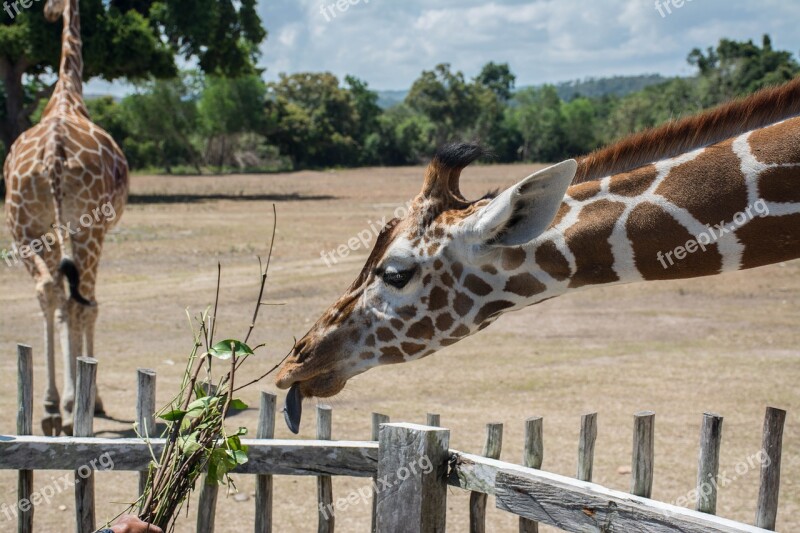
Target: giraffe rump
<point>676,137</point>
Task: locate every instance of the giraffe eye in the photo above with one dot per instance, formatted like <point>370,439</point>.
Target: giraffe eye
<point>397,278</point>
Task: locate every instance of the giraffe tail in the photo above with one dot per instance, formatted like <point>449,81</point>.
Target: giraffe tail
<point>70,271</point>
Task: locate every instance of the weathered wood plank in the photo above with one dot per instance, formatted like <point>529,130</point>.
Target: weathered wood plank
<point>207,507</point>
<point>477,500</point>
<point>83,427</point>
<point>24,427</point>
<point>643,454</point>
<point>145,411</point>
<point>274,457</point>
<point>433,420</point>
<point>532,457</point>
<point>708,463</point>
<point>416,498</point>
<point>579,506</point>
<point>266,430</point>
<point>771,443</point>
<point>325,512</point>
<point>377,420</point>
<point>586,443</point>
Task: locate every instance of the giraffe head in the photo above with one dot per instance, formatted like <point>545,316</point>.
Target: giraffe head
<point>53,9</point>
<point>434,277</point>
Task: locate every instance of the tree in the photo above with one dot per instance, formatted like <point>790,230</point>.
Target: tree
<point>132,39</point>
<point>447,100</point>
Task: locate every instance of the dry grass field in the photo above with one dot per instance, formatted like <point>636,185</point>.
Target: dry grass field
<point>729,344</point>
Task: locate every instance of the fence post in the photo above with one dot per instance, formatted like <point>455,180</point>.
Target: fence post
<point>643,454</point>
<point>145,412</point>
<point>377,420</point>
<point>84,427</point>
<point>477,500</point>
<point>433,420</point>
<point>266,430</point>
<point>586,446</point>
<point>327,517</point>
<point>413,460</point>
<point>770,455</point>
<point>532,457</point>
<point>25,427</point>
<point>708,463</point>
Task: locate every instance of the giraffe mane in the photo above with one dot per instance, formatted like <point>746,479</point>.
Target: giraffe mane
<point>676,137</point>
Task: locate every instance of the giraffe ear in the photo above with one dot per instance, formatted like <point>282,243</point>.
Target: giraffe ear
<point>522,212</point>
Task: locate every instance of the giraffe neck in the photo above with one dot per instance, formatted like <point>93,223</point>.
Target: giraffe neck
<point>68,94</point>
<point>729,206</point>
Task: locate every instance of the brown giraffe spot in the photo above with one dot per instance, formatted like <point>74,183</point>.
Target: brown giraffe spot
<point>588,239</point>
<point>427,280</point>
<point>770,240</point>
<point>458,269</point>
<point>411,348</point>
<point>370,340</point>
<point>438,232</point>
<point>433,248</point>
<point>584,191</point>
<point>447,279</point>
<point>560,214</point>
<point>777,143</point>
<point>476,285</point>
<point>491,309</point>
<point>449,342</point>
<point>385,334</point>
<point>634,183</point>
<point>391,355</point>
<point>648,221</point>
<point>462,304</point>
<point>444,321</point>
<point>552,261</point>
<point>366,355</point>
<point>438,299</point>
<point>525,285</point>
<point>489,269</point>
<point>708,200</point>
<point>407,312</point>
<point>422,329</point>
<point>355,335</point>
<point>512,258</point>
<point>437,265</point>
<point>460,331</point>
<point>397,323</point>
<point>780,184</point>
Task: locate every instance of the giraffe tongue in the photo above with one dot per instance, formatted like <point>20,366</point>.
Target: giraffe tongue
<point>293,410</point>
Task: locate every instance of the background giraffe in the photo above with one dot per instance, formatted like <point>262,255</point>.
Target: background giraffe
<point>712,193</point>
<point>67,184</point>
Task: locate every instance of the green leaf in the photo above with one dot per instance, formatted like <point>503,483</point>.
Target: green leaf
<point>225,349</point>
<point>239,457</point>
<point>188,444</point>
<point>238,404</point>
<point>172,416</point>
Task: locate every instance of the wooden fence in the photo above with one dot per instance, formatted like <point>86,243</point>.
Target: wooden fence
<point>410,467</point>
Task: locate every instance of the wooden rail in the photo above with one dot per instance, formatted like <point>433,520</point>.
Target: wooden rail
<point>409,467</point>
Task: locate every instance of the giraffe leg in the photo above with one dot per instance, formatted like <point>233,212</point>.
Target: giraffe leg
<point>71,346</point>
<point>51,421</point>
<point>89,319</point>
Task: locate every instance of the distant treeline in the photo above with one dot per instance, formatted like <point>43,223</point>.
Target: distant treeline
<point>312,120</point>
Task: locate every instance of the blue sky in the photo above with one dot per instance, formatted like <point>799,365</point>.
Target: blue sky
<point>389,42</point>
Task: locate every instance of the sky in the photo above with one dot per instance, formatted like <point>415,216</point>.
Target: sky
<point>389,43</point>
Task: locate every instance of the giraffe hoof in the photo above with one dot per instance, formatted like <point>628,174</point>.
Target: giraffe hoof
<point>67,428</point>
<point>51,425</point>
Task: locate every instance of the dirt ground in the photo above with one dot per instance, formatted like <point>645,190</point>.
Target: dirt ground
<point>727,344</point>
